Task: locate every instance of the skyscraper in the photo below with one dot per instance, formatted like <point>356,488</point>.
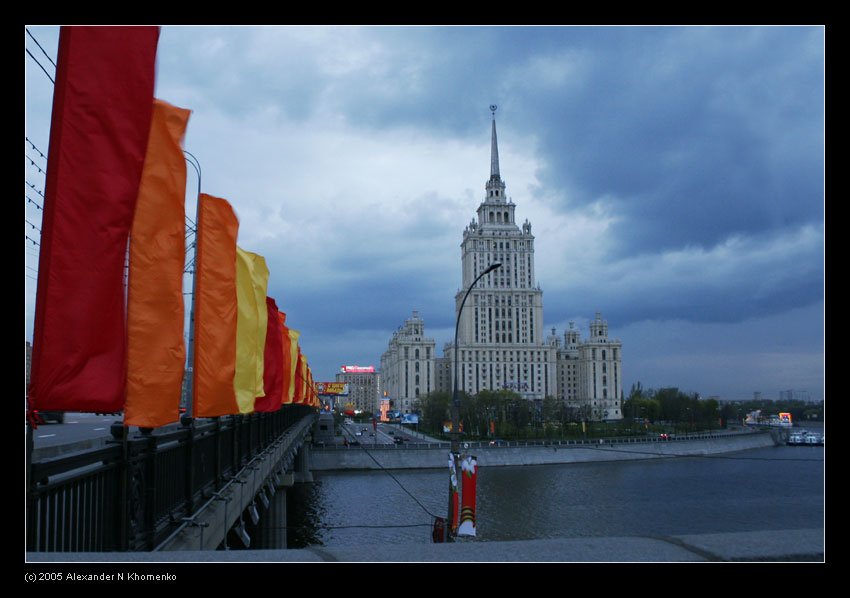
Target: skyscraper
<point>500,333</point>
<point>500,338</point>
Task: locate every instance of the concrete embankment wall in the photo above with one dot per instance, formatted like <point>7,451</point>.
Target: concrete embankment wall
<point>425,456</point>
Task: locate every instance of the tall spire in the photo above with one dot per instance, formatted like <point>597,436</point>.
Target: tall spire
<point>494,148</point>
<point>495,186</point>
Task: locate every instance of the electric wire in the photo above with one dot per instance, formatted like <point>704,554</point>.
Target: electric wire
<point>38,151</point>
<point>40,48</point>
<point>31,239</point>
<point>385,470</point>
<point>40,66</point>
<point>33,187</point>
<point>32,225</point>
<point>34,164</point>
<point>33,202</point>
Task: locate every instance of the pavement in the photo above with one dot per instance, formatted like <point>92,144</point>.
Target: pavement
<point>796,545</point>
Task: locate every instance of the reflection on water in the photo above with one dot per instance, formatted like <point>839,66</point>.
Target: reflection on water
<point>761,489</point>
<point>306,513</point>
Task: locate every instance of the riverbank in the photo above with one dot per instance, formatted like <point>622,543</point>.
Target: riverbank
<point>432,456</point>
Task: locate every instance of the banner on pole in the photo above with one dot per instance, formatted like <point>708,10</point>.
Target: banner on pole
<point>469,472</point>
<point>453,497</point>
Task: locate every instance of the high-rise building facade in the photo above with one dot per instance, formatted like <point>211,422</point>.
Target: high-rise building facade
<point>500,334</point>
<point>364,387</point>
<point>500,337</point>
<point>590,372</point>
<point>407,366</point>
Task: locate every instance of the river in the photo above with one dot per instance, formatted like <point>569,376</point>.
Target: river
<point>759,489</point>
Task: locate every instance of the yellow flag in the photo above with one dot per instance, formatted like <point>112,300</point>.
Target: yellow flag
<point>293,366</point>
<point>252,277</point>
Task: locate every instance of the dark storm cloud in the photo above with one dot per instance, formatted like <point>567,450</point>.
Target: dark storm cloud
<point>691,134</point>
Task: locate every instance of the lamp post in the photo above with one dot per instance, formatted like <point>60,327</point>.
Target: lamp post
<point>188,396</point>
<point>455,448</point>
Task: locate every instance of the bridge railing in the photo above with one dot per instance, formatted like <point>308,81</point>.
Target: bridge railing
<point>417,445</point>
<point>130,494</point>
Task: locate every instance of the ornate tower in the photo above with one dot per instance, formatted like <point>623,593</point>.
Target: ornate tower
<point>501,329</point>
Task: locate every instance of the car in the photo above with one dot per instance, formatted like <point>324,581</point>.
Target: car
<point>663,436</point>
<point>391,432</point>
<point>46,416</point>
<point>497,442</point>
<point>398,440</point>
<point>358,433</point>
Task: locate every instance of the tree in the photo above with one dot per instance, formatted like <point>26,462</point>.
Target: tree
<point>435,408</point>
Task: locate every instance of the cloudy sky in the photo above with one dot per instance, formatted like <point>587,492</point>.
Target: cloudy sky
<point>673,176</point>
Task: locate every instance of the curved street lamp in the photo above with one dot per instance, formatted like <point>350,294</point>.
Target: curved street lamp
<point>455,448</point>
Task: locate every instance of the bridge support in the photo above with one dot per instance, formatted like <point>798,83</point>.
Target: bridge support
<point>302,465</point>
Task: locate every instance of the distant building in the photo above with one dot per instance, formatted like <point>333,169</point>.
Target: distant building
<point>407,366</point>
<point>757,396</point>
<point>364,387</point>
<point>590,371</point>
<point>794,395</point>
<point>500,336</point>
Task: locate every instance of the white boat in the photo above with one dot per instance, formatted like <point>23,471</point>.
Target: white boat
<point>805,437</point>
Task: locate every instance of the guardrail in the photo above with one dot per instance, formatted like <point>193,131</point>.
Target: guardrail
<point>134,492</point>
<point>412,445</point>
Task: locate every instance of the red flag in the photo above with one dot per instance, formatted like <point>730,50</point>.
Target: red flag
<point>102,107</point>
<point>272,363</point>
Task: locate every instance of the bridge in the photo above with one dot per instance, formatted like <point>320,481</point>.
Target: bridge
<point>178,489</point>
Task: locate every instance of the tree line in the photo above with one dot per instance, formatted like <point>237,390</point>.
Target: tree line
<point>505,414</point>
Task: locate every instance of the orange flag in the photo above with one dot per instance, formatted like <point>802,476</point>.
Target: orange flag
<point>156,353</point>
<point>299,380</point>
<point>215,309</point>
<point>286,396</point>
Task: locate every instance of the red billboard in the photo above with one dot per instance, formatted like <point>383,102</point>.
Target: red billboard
<point>357,369</point>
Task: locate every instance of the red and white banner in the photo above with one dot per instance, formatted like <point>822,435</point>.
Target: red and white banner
<point>469,473</point>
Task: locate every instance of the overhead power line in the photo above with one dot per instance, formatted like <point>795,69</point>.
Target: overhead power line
<point>33,202</point>
<point>38,151</point>
<point>36,165</point>
<point>40,48</point>
<point>39,64</point>
<point>33,187</point>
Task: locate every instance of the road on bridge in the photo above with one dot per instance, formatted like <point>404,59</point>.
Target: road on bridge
<point>79,427</point>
